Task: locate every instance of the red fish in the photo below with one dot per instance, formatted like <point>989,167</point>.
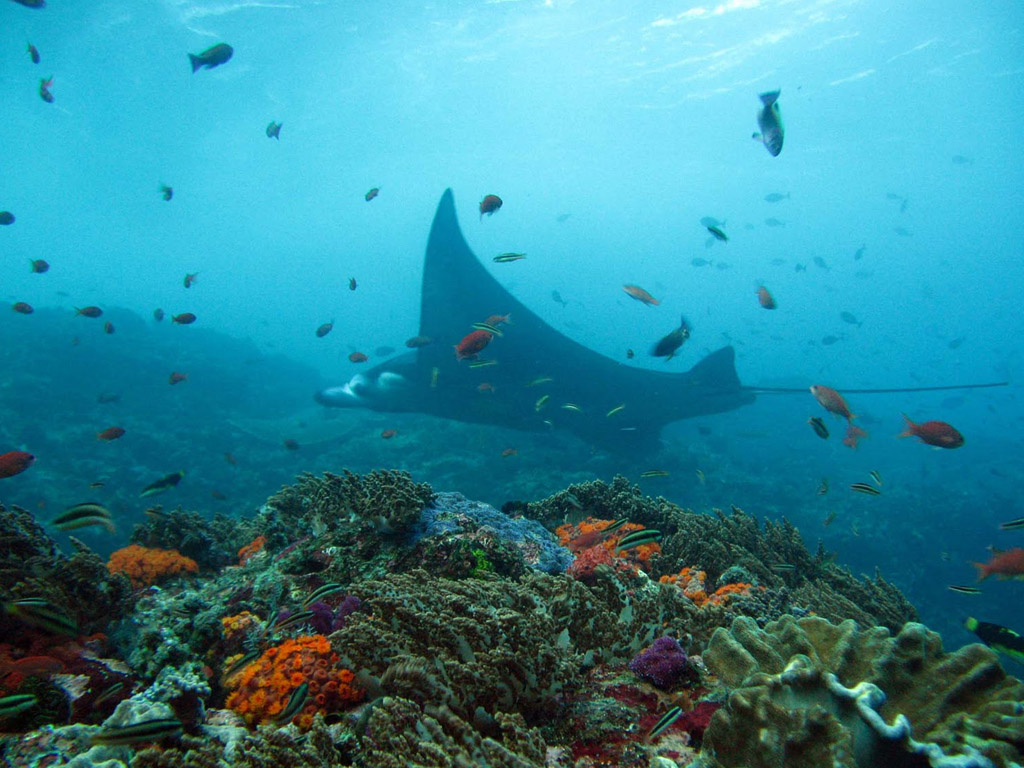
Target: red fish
<point>387,434</point>
<point>499,319</point>
<point>853,436</point>
<point>110,433</point>
<point>185,318</point>
<point>937,433</point>
<point>15,462</point>
<point>372,194</point>
<point>177,378</point>
<point>1005,565</point>
<point>22,308</point>
<point>471,344</point>
<point>39,266</point>
<point>357,357</point>
<point>88,311</point>
<point>489,205</point>
<point>640,294</point>
<point>765,298</point>
<point>190,278</point>
<point>831,401</point>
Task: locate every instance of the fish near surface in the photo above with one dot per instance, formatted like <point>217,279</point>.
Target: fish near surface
<point>769,120</point>
<point>211,57</point>
<point>458,290</point>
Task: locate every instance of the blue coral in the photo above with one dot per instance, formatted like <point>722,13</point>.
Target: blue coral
<point>664,664</point>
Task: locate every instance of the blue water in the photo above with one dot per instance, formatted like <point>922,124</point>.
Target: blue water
<point>634,118</point>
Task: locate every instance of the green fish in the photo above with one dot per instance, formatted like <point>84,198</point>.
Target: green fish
<point>666,720</point>
<point>482,363</point>
<point>38,613</point>
<point>614,525</point>
<point>147,730</point>
<point>540,380</point>
<point>964,590</point>
<point>998,638</point>
<point>295,619</point>
<point>274,130</point>
<point>165,483</point>
<point>541,402</point>
<point>489,328</point>
<point>14,705</point>
<point>1012,525</point>
<point>324,591</point>
<point>818,425</point>
<point>507,257</point>
<point>876,476</point>
<point>638,539</point>
<point>82,515</point>
<point>294,705</point>
<point>655,473</point>
<point>572,407</point>
<point>615,410</point>
<point>241,663</point>
<point>870,490</point>
<point>718,233</point>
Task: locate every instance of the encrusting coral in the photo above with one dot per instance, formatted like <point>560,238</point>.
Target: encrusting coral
<point>145,565</point>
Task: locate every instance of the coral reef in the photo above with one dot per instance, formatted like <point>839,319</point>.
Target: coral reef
<point>145,566</point>
<point>210,543</point>
<point>808,693</point>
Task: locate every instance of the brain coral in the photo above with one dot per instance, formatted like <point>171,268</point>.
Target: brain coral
<point>811,693</point>
<point>262,689</point>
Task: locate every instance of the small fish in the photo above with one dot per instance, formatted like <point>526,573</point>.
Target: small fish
<point>110,433</point>
<point>998,638</point>
<point>156,513</point>
<point>190,278</point>
<point>776,197</point>
<point>324,329</point>
<point>490,204</point>
<point>418,341</point>
<point>211,57</point>
<point>655,473</point>
<point>486,386</point>
<point>357,357</point>
<point>239,664</point>
<point>769,120</point>
<point>108,327</point>
<point>829,518</point>
<point>165,483</point>
<point>15,462</point>
<point>823,487</point>
<point>97,484</point>
<point>504,258</point>
<point>371,193</point>
<point>831,401</point>
<point>540,380</point>
<point>38,613</point>
<point>615,410</point>
<point>16,704</point>
<point>718,234</point>
<point>434,372</point>
<point>876,476</point>
<point>556,296</point>
<point>293,620</point>
<point>937,433</point>
<point>108,693</point>
<point>640,295</point>
<point>387,434</point>
<point>139,733</point>
<point>829,340</point>
<point>765,298</point>
<point>818,425</point>
<point>964,590</point>
<point>849,317</point>
<point>638,539</point>
<point>88,311</point>
<point>1012,525</point>
<point>352,285</point>
<point>541,402</point>
<point>669,344</point>
<point>902,231</point>
<point>630,354</point>
<point>497,320</point>
<point>177,378</point>
<point>489,328</point>
<point>509,452</point>
<point>572,407</point>
<point>799,268</point>
<point>185,318</point>
<point>108,397</point>
<point>322,592</point>
<point>33,53</point>
<point>773,222</point>
<point>820,262</point>
<point>295,703</point>
<point>482,363</point>
<point>167,193</point>
<point>23,308</point>
<point>699,262</point>
<point>158,315</point>
<point>783,567</point>
<point>859,253</point>
<point>44,89</point>
<point>614,525</point>
<point>291,444</point>
<point>701,478</point>
<point>955,343</point>
<point>230,459</point>
<point>663,724</point>
<point>39,266</point>
<point>870,490</point>
<point>274,130</point>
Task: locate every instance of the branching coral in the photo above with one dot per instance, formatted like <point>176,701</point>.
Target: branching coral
<point>145,566</point>
<point>261,690</point>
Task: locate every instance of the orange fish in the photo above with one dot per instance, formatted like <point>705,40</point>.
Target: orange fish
<point>831,401</point>
<point>640,294</point>
<point>15,462</point>
<point>358,357</point>
<point>110,433</point>
<point>89,311</point>
<point>387,434</point>
<point>471,344</point>
<point>853,436</point>
<point>22,308</point>
<point>937,433</point>
<point>372,194</point>
<point>185,318</point>
<point>489,205</point>
<point>1005,565</point>
<point>510,452</point>
<point>108,327</point>
<point>765,298</point>
<point>291,444</point>
<point>499,319</point>
<point>177,378</point>
<point>190,278</point>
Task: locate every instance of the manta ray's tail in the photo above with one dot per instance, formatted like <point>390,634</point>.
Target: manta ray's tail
<point>845,391</point>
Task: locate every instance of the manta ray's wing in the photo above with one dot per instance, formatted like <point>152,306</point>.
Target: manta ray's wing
<point>540,379</point>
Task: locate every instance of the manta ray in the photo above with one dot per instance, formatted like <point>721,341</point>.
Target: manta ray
<point>537,379</point>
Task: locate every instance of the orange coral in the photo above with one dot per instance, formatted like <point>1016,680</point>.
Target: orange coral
<point>263,688</point>
<point>692,582</point>
<point>251,549</point>
<point>241,622</point>
<point>590,533</point>
<point>145,566</point>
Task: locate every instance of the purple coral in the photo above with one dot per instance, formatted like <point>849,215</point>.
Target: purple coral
<point>664,664</point>
<point>326,620</point>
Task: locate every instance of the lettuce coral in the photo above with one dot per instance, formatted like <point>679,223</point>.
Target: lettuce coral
<point>145,566</point>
